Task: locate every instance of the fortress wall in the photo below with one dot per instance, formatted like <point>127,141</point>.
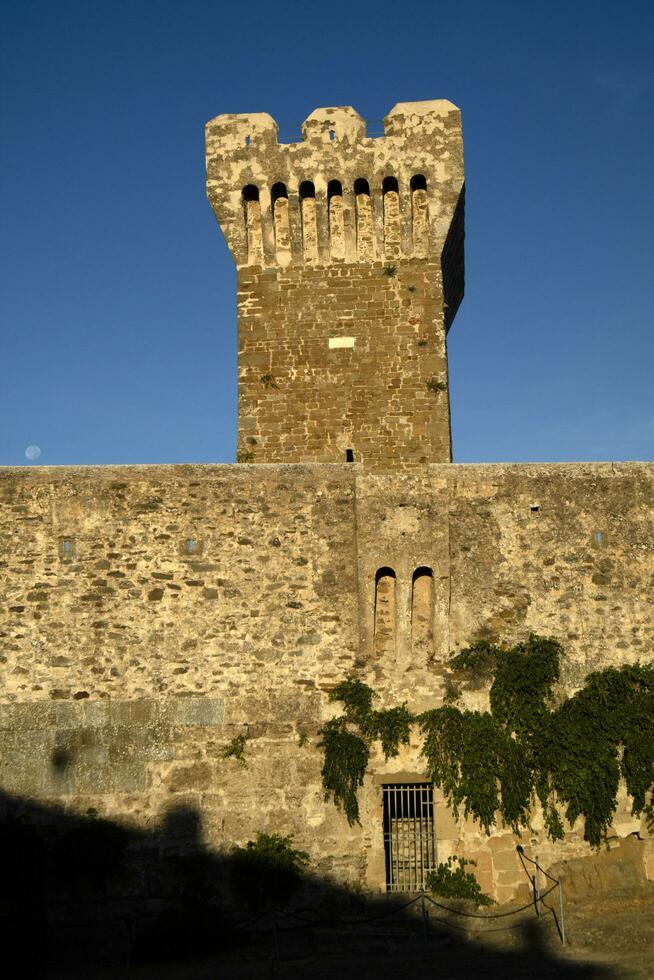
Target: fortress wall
<point>277,607</point>
<point>133,614</point>
<point>580,567</point>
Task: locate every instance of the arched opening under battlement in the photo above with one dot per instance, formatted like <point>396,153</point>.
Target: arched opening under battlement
<point>253,232</point>
<point>361,186</point>
<point>390,185</point>
<point>279,201</point>
<point>419,215</point>
<point>334,189</point>
<point>307,189</point>
<point>278,191</point>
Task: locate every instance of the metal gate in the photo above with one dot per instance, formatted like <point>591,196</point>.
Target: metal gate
<point>409,838</point>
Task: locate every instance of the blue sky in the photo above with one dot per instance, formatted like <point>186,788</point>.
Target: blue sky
<point>118,334</point>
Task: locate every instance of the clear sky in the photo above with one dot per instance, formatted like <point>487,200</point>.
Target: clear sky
<point>118,340</point>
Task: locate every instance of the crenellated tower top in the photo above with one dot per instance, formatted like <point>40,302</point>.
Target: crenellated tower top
<point>255,184</point>
<point>349,252</point>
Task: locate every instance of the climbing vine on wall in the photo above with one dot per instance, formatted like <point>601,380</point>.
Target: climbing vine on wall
<point>346,742</point>
<point>569,756</point>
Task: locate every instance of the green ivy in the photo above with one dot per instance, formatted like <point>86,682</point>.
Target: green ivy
<point>570,757</point>
<point>614,711</point>
<point>345,762</point>
<point>236,749</point>
<point>455,882</point>
<point>346,751</point>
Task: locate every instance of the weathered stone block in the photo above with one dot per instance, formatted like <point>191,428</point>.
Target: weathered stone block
<point>199,711</point>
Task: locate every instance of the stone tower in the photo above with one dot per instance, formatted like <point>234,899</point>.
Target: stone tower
<point>349,251</point>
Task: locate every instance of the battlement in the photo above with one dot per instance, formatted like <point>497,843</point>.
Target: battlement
<point>337,195</point>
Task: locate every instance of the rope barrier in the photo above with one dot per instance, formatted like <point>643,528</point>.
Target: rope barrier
<point>537,902</point>
<point>491,915</point>
<point>391,912</point>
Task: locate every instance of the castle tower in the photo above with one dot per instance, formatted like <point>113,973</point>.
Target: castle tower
<point>349,251</point>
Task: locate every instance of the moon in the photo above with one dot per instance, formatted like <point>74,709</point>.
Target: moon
<point>33,452</point>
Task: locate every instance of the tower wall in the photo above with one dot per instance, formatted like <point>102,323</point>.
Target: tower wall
<point>349,253</point>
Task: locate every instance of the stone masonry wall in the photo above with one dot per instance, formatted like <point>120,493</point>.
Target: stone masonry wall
<point>330,359</point>
<point>129,662</point>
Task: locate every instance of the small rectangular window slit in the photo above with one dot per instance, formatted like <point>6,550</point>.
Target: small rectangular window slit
<point>66,549</point>
<point>535,508</point>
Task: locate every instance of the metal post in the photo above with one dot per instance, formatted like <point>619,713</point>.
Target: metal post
<point>563,940</point>
<point>424,918</point>
<point>537,887</point>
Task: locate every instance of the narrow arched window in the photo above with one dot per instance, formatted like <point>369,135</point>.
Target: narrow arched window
<point>391,198</point>
<point>419,215</point>
<point>422,606</point>
<point>254,236</point>
<point>385,627</point>
<point>364,218</point>
<point>336,219</point>
<point>309,225</point>
<point>279,201</point>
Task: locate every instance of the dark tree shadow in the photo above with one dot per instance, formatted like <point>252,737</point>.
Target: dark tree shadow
<point>85,892</point>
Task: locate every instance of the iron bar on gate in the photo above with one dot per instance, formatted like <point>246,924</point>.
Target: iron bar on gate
<point>409,838</point>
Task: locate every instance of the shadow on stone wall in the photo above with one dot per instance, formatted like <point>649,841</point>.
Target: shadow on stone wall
<point>83,891</point>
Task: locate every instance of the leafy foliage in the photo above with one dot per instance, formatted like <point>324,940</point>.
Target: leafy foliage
<point>524,747</point>
<point>344,766</point>
<point>477,765</point>
<point>614,710</point>
<point>346,752</point>
<point>267,870</point>
<point>448,881</point>
<point>570,757</point>
<point>392,727</point>
<point>356,698</point>
<point>236,749</point>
